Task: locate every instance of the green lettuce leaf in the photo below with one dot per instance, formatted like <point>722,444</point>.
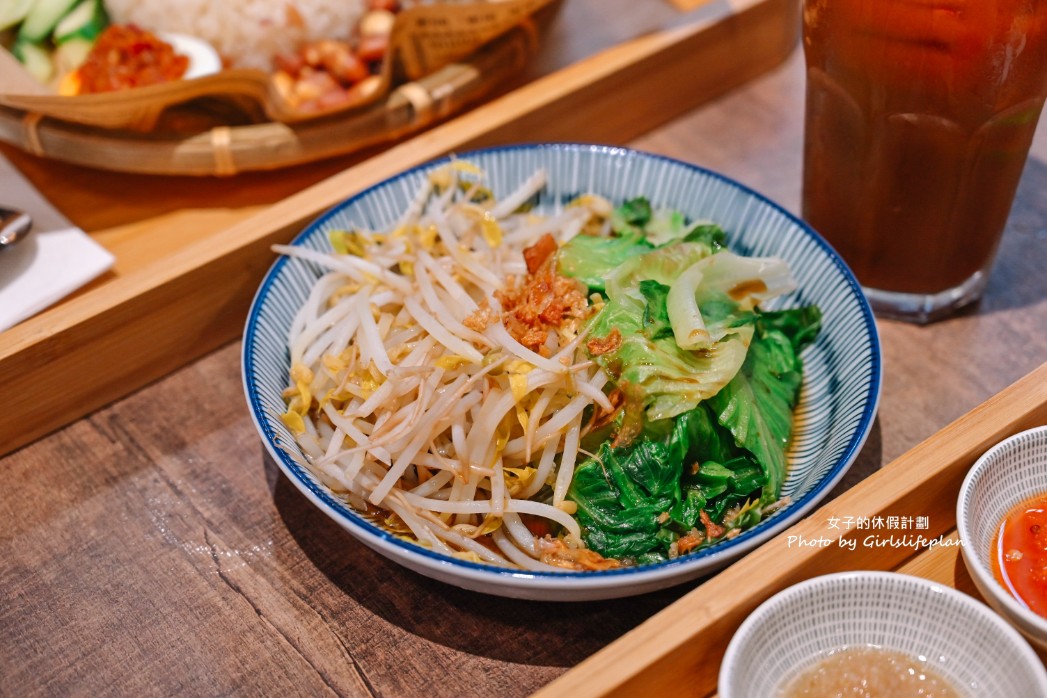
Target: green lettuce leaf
<point>637,500</point>
<point>658,377</point>
<point>666,227</point>
<point>800,325</point>
<point>710,382</point>
<point>655,316</point>
<point>756,406</point>
<point>636,229</point>
<point>621,493</point>
<point>707,234</point>
<point>715,296</point>
<point>634,213</point>
<point>591,259</point>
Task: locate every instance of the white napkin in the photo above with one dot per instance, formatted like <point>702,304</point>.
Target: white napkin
<point>52,262</point>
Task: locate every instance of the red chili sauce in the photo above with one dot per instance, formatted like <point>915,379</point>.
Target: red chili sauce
<point>1019,553</point>
<point>125,56</point>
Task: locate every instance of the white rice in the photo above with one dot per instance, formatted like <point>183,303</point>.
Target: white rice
<point>247,33</point>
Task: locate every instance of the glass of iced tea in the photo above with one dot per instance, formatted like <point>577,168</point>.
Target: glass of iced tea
<point>919,118</point>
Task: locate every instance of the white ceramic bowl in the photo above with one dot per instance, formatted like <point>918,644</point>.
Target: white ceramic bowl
<point>1007,474</point>
<point>961,638</point>
<point>842,368</point>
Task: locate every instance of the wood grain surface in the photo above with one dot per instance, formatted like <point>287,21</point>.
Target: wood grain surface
<point>153,549</point>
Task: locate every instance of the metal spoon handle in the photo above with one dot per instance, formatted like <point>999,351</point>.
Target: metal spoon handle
<point>14,225</point>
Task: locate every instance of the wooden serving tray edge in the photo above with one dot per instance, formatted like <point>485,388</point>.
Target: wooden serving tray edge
<point>139,326</point>
<point>678,651</point>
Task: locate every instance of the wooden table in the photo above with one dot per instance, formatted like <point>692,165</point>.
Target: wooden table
<point>153,548</point>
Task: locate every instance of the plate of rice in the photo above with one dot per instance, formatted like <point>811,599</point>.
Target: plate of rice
<point>248,33</point>
<point>561,371</point>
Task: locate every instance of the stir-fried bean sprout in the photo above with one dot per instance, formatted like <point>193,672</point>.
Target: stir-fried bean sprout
<point>419,397</point>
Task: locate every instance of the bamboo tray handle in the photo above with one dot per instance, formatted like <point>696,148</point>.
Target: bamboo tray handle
<point>139,109</point>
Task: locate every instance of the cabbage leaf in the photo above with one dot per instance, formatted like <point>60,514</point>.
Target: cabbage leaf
<point>634,230</point>
<point>591,259</point>
<point>715,295</point>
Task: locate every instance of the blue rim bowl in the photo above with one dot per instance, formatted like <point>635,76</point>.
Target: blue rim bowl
<point>838,399</point>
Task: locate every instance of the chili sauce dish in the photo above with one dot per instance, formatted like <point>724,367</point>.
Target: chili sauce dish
<point>1001,517</point>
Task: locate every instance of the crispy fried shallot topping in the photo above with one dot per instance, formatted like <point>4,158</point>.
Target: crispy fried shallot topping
<point>689,542</point>
<point>545,301</point>
<point>480,318</point>
<point>555,552</point>
<point>602,417</point>
<point>604,345</point>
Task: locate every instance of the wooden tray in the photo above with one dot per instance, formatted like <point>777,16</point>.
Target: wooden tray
<point>678,651</point>
<point>157,312</point>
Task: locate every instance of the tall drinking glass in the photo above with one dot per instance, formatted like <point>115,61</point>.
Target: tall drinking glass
<point>919,118</point>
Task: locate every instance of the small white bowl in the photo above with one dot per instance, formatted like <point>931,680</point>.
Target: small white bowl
<point>961,639</point>
<point>1008,474</point>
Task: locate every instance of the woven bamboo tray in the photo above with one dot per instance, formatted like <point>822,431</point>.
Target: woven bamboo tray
<point>118,131</point>
<point>678,651</point>
<point>227,150</point>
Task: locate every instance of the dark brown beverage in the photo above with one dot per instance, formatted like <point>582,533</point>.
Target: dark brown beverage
<point>920,114</point>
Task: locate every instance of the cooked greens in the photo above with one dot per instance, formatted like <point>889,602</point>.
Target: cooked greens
<point>591,259</point>
<point>708,383</point>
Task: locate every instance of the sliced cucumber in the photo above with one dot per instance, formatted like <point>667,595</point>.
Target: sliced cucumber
<point>13,11</point>
<point>36,59</point>
<point>85,21</point>
<point>42,18</point>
